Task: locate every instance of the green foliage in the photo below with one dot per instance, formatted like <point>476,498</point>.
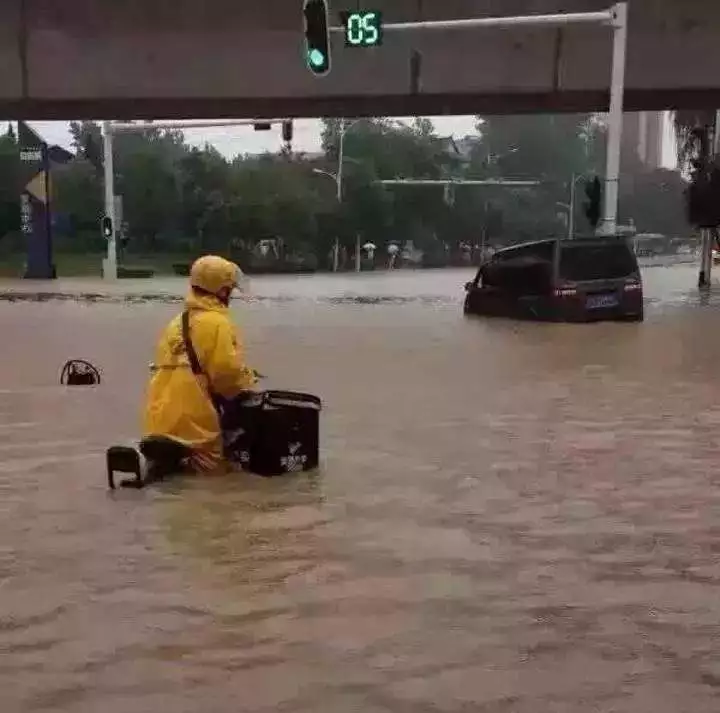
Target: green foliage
<point>655,200</point>
<point>9,183</point>
<point>694,133</point>
<point>184,200</point>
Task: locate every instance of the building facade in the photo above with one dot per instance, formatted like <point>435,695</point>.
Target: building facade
<point>644,137</point>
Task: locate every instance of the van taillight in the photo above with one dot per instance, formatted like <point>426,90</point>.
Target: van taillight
<point>632,285</point>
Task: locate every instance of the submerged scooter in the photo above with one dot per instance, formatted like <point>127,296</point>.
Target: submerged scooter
<point>269,433</point>
<point>163,457</point>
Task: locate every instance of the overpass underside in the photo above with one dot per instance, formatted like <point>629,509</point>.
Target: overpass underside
<point>237,58</point>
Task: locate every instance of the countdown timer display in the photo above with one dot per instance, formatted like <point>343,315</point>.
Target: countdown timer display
<point>363,28</point>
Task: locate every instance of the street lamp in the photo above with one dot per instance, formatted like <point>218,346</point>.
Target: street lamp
<point>338,178</point>
<point>570,207</point>
<point>335,179</point>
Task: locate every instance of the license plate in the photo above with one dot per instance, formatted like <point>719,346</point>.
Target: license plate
<point>599,301</point>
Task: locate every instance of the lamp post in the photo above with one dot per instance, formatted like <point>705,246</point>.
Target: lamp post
<point>112,128</point>
<point>570,207</point>
<point>338,184</point>
<point>338,178</point>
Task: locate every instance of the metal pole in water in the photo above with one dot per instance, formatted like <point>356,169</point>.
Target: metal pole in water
<point>707,236</point>
<point>110,262</point>
<point>711,234</point>
<point>615,119</point>
<point>339,186</point>
<point>341,156</point>
<point>703,280</point>
<point>571,211</point>
<point>336,254</point>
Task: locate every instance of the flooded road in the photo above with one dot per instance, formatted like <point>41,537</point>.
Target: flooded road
<point>510,518</point>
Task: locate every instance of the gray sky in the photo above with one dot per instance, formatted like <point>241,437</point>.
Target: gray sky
<point>239,139</point>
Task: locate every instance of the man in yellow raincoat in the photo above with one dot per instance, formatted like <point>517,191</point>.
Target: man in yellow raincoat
<point>182,405</point>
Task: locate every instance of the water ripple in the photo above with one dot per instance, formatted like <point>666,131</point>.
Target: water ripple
<point>508,518</point>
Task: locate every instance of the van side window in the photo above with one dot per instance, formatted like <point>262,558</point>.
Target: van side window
<point>523,271</point>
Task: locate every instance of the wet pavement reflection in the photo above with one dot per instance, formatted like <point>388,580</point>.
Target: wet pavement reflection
<point>510,517</point>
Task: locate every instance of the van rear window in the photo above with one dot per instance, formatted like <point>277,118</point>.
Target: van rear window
<point>596,262</point>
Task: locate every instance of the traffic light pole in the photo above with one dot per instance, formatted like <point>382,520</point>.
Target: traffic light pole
<point>129,127</point>
<point>571,209</point>
<point>615,119</point>
<point>110,263</point>
<point>707,240</point>
<point>617,18</point>
<point>109,129</point>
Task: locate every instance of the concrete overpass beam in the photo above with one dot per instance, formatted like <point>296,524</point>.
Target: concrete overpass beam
<point>220,58</point>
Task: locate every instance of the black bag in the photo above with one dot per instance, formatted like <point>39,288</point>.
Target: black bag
<point>285,433</point>
<point>238,420</point>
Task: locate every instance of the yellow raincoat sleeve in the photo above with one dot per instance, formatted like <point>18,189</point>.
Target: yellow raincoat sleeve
<point>225,363</point>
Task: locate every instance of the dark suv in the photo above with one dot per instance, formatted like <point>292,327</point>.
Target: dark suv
<point>590,279</point>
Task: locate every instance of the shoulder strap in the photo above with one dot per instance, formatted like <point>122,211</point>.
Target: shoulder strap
<point>189,349</point>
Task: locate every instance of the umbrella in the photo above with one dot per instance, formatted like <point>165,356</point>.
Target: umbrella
<point>369,246</point>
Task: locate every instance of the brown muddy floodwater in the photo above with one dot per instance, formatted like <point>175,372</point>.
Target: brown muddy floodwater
<point>510,518</point>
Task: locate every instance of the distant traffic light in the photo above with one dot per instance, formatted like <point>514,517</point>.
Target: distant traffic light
<point>593,191</point>
<point>106,227</point>
<point>287,132</point>
<point>317,36</point>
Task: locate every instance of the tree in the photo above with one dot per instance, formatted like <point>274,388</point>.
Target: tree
<point>694,132</point>
<point>655,201</point>
<point>188,200</point>
<point>87,142</point>
<point>9,183</point>
<point>550,149</point>
<point>376,149</point>
<point>78,197</point>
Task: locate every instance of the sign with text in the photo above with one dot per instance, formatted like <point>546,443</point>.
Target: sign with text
<point>35,210</point>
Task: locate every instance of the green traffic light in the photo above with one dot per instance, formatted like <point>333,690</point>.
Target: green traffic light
<point>316,58</point>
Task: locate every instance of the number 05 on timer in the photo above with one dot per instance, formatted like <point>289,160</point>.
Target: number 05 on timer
<point>363,28</point>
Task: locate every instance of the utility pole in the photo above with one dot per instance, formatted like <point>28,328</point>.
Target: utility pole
<point>338,177</point>
<point>571,210</point>
<point>109,129</point>
<point>708,235</point>
<point>616,18</point>
<point>615,118</point>
<point>110,262</point>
